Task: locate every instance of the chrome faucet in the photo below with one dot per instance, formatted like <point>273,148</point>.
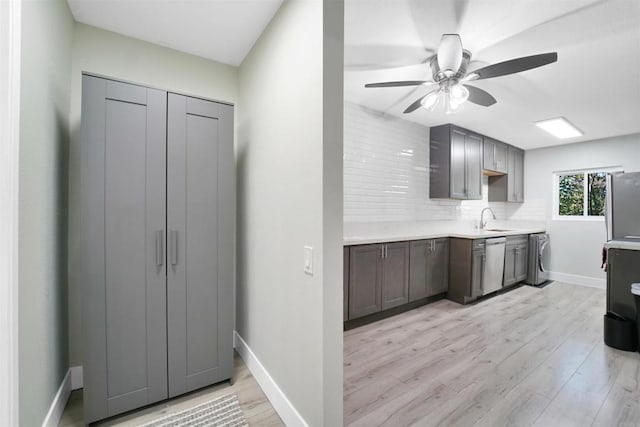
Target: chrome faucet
<point>482,222</point>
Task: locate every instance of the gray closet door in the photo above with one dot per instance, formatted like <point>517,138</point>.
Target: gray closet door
<point>200,225</point>
<point>123,227</point>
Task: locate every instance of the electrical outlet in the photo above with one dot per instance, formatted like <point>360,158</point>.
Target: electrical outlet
<point>308,260</point>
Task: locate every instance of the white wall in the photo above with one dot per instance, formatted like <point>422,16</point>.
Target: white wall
<point>576,245</point>
<point>288,145</point>
<point>47,28</point>
<point>113,55</point>
<point>10,34</point>
<point>386,175</point>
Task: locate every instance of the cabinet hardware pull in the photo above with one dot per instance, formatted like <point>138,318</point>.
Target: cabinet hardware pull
<point>381,251</point>
<point>174,247</point>
<point>385,251</point>
<point>159,247</point>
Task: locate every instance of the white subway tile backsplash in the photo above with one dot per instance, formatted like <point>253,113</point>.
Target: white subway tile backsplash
<point>386,175</point>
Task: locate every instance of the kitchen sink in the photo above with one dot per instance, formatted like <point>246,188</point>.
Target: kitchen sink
<point>496,229</point>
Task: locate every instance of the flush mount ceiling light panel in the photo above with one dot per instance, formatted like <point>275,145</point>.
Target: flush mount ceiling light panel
<point>559,127</point>
<point>450,76</point>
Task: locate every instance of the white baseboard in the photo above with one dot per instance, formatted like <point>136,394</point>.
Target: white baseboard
<point>591,282</point>
<point>76,377</point>
<point>290,416</point>
<point>59,402</point>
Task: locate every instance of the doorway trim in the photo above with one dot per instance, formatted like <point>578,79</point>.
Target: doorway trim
<point>10,31</point>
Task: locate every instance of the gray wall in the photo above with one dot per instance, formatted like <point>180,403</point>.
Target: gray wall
<point>286,200</point>
<point>576,245</point>
<point>113,55</point>
<point>47,28</point>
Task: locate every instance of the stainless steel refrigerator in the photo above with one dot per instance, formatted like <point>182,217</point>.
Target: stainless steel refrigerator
<point>622,216</point>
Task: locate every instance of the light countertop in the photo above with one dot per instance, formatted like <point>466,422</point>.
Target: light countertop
<point>622,244</point>
<point>383,232</point>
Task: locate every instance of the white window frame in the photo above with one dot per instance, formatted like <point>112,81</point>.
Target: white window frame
<point>10,28</point>
<point>555,208</point>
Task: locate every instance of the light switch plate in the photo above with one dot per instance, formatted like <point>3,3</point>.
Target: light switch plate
<point>308,260</point>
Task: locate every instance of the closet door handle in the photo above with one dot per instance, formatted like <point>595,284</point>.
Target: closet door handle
<point>174,247</point>
<point>159,247</point>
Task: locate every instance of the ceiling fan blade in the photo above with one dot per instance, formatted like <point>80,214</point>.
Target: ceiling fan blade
<point>479,96</point>
<point>513,66</point>
<point>401,83</point>
<point>450,54</point>
<point>413,107</point>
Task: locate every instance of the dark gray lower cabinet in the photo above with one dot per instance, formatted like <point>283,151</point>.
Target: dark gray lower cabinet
<point>428,268</point>
<point>466,269</point>
<point>365,280</point>
<point>395,275</point>
<point>158,226</point>
<point>378,278</point>
<point>345,283</point>
<point>515,259</point>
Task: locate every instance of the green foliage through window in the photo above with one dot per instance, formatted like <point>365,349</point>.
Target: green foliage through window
<point>571,194</point>
<point>597,190</point>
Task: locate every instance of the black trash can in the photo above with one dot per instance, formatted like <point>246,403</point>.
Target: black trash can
<point>635,290</point>
<point>620,332</point>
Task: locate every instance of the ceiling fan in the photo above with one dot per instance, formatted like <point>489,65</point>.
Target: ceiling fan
<point>449,71</point>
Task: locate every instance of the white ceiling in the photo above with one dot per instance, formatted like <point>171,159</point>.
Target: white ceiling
<point>221,30</point>
<point>595,84</point>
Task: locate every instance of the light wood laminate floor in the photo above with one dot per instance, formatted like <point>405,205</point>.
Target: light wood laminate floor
<point>532,356</point>
<point>257,409</point>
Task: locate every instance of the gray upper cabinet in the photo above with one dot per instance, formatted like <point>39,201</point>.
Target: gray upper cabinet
<point>428,268</point>
<point>378,277</point>
<point>140,333</point>
<point>515,174</point>
<point>495,155</point>
<point>456,163</point>
<point>509,187</point>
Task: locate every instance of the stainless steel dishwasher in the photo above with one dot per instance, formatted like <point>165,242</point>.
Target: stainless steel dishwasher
<point>494,265</point>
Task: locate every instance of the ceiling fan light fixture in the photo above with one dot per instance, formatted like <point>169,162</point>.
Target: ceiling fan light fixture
<point>459,94</point>
<point>449,54</point>
<point>430,101</point>
<point>559,127</point>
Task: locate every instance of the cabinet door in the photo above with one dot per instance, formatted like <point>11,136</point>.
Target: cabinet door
<point>123,195</point>
<point>395,281</point>
<point>477,272</point>
<point>365,280</point>
<point>200,224</point>
<point>521,257</point>
<point>419,269</point>
<point>489,150</point>
<point>500,157</point>
<point>473,166</point>
<point>439,267</point>
<point>515,177</point>
<point>509,265</point>
<point>458,170</point>
<point>345,283</point>
<point>519,182</point>
<point>622,270</point>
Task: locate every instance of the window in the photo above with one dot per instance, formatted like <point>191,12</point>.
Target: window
<point>581,194</point>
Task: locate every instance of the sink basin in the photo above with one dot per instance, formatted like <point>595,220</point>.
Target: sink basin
<point>496,229</point>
